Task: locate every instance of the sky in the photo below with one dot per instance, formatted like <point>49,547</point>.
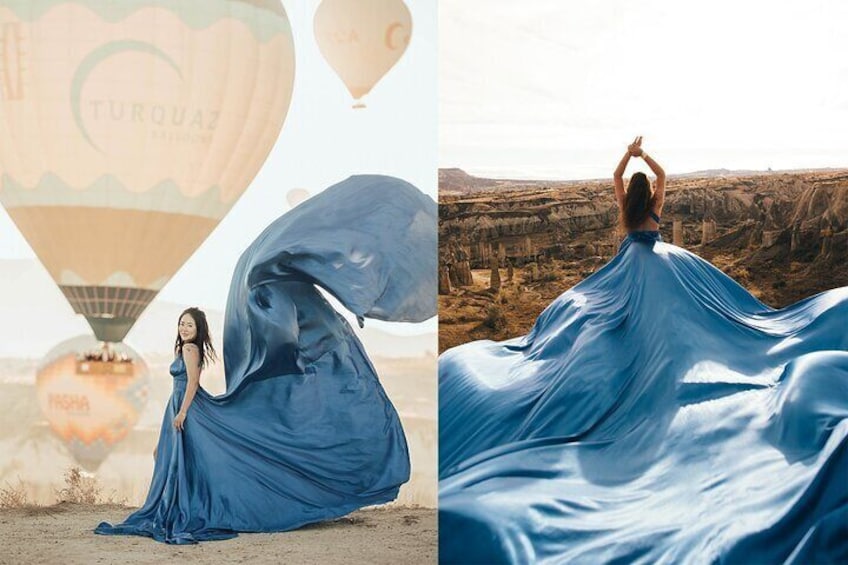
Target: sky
<point>553,89</point>
<point>323,141</point>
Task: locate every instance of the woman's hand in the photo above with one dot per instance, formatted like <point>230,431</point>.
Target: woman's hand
<point>179,420</point>
<point>635,148</point>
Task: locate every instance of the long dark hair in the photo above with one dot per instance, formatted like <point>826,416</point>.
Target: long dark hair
<point>638,201</point>
<point>203,340</point>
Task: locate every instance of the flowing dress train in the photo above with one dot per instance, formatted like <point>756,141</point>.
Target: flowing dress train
<point>304,431</point>
<point>656,412</point>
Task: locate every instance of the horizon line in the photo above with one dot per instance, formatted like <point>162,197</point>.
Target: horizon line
<point>675,174</point>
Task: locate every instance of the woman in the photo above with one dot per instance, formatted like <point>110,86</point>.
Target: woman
<point>304,432</point>
<point>192,351</point>
<point>640,206</point>
<point>656,412</point>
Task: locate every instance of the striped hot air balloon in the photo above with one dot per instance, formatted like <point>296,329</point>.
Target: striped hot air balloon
<point>128,130</point>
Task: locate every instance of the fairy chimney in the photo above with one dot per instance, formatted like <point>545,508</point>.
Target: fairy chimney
<point>495,279</point>
<point>708,231</point>
<point>795,240</point>
<point>461,274</point>
<point>677,233</point>
<point>444,281</point>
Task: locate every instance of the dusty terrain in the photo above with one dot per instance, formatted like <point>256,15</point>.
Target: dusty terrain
<point>33,463</point>
<point>782,235</point>
<point>62,534</point>
<point>32,454</point>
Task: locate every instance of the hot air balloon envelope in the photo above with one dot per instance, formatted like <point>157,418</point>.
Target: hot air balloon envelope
<point>362,39</point>
<point>296,195</point>
<point>128,130</point>
<point>91,402</point>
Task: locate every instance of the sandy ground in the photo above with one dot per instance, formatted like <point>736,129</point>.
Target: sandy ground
<point>63,534</point>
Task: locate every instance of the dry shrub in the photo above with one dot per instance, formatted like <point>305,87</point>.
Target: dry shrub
<point>548,276</point>
<point>79,488</point>
<point>741,274</point>
<point>83,489</point>
<point>495,318</point>
<point>14,496</point>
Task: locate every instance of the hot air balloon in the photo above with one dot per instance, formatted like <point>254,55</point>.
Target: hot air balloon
<point>128,130</point>
<point>296,195</point>
<point>362,40</point>
<point>93,399</point>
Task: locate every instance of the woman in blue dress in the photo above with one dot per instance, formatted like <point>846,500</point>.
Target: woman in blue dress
<point>304,431</point>
<point>640,205</point>
<point>656,412</point>
<point>193,348</point>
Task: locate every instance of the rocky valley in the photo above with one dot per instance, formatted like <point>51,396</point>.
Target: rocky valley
<point>508,247</point>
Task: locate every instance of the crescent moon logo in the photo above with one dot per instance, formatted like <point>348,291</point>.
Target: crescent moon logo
<point>390,35</point>
<point>98,56</point>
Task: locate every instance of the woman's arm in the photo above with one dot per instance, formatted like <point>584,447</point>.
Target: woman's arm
<point>659,191</point>
<point>633,150</point>
<point>191,356</point>
<point>618,178</point>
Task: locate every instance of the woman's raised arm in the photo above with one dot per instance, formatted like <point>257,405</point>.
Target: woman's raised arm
<point>659,190</point>
<point>633,150</point>
<point>618,178</point>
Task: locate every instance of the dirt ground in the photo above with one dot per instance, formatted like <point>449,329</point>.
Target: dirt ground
<point>63,534</point>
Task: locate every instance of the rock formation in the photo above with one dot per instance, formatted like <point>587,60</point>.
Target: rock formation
<point>708,231</point>
<point>677,233</point>
<point>495,279</point>
<point>444,281</point>
<point>519,222</point>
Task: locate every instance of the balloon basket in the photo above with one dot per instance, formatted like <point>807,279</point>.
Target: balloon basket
<point>105,368</point>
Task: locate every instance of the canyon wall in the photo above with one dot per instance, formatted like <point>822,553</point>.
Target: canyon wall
<point>769,217</point>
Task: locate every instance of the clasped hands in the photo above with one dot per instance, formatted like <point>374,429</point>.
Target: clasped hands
<point>635,148</point>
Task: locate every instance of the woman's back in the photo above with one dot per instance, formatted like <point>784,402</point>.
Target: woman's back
<point>651,223</point>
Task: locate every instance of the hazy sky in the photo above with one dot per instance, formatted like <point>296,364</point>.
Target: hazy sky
<point>323,141</point>
<point>556,89</point>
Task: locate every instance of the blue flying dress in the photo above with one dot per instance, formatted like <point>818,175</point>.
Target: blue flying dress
<point>305,431</point>
<point>655,413</point>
